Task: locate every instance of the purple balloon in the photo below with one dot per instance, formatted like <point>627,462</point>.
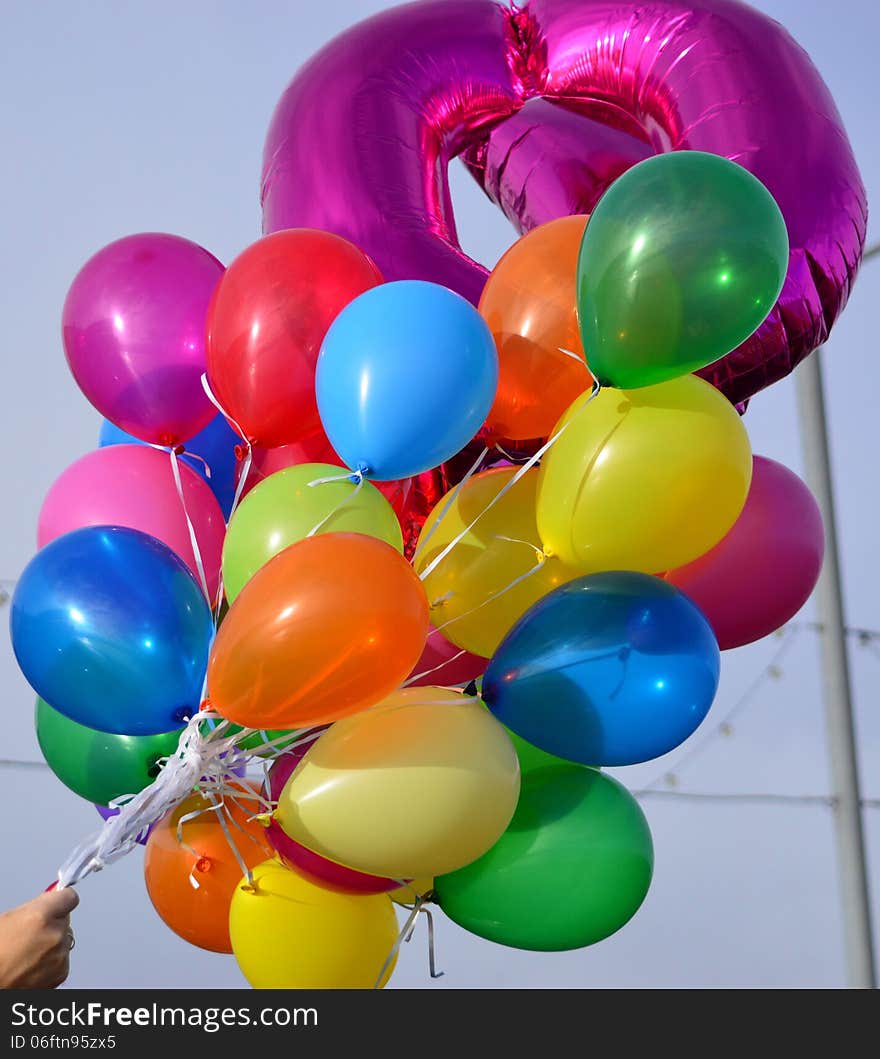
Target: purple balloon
<point>134,334</point>
<point>762,572</point>
<point>548,103</point>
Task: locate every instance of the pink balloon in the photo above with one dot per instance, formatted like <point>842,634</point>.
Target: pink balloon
<point>318,869</point>
<point>134,334</point>
<point>761,574</point>
<point>444,663</point>
<point>133,486</point>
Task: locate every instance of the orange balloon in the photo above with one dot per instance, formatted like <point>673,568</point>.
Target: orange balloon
<point>330,626</point>
<point>530,305</point>
<point>200,913</point>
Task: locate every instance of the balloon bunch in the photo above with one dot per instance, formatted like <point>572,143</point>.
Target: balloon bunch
<point>365,584</point>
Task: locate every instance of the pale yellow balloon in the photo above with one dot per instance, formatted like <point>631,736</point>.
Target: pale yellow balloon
<point>646,479</point>
<point>421,784</point>
<point>288,933</point>
<point>504,545</point>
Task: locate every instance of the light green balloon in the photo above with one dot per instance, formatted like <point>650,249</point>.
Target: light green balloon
<point>285,508</point>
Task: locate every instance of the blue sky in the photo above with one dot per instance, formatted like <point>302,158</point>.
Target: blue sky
<point>124,118</point>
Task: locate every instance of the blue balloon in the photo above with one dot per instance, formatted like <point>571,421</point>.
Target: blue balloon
<point>110,627</point>
<point>406,376</point>
<point>216,445</point>
<point>608,669</point>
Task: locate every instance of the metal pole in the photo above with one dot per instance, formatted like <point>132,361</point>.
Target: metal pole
<point>852,873</point>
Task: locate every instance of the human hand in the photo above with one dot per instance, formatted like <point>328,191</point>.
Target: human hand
<point>35,941</point>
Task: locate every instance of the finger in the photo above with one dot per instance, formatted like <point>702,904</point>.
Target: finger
<point>57,903</point>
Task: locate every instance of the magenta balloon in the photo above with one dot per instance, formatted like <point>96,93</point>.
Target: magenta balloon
<point>549,103</point>
<point>315,867</point>
<point>133,486</point>
<point>443,663</point>
<point>761,574</point>
<point>134,333</point>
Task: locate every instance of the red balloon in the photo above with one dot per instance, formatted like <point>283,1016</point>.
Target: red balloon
<point>266,322</point>
<point>313,866</point>
<point>761,574</point>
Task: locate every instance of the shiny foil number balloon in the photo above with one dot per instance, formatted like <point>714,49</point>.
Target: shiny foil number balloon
<point>548,103</point>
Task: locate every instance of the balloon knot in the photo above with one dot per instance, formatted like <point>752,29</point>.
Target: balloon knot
<point>178,450</point>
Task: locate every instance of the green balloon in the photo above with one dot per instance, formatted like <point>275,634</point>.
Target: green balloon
<point>99,766</point>
<point>682,259</point>
<point>572,867</point>
<point>285,507</point>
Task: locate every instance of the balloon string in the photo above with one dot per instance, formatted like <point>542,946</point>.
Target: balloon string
<point>209,393</point>
<point>432,961</point>
<point>433,669</point>
<point>526,467</point>
<point>449,501</point>
<point>199,757</point>
<point>509,455</point>
<point>406,933</point>
<point>193,539</point>
<point>236,852</point>
<point>341,504</point>
<point>574,356</point>
<point>239,485</point>
<point>182,450</point>
<point>496,595</point>
<point>350,476</point>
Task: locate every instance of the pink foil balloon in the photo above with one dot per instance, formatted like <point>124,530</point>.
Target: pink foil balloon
<point>548,103</point>
<point>761,574</point>
<point>134,333</point>
<point>316,868</point>
<point>442,663</point>
<point>133,486</point>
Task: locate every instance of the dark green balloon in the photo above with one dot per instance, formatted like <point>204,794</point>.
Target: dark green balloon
<point>99,766</point>
<point>682,259</point>
<point>572,868</point>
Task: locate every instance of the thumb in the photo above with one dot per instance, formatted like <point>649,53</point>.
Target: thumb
<point>58,902</point>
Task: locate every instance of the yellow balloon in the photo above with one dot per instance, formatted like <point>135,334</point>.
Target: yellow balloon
<point>288,933</point>
<point>409,893</point>
<point>503,546</point>
<point>645,479</point>
<point>421,784</point>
